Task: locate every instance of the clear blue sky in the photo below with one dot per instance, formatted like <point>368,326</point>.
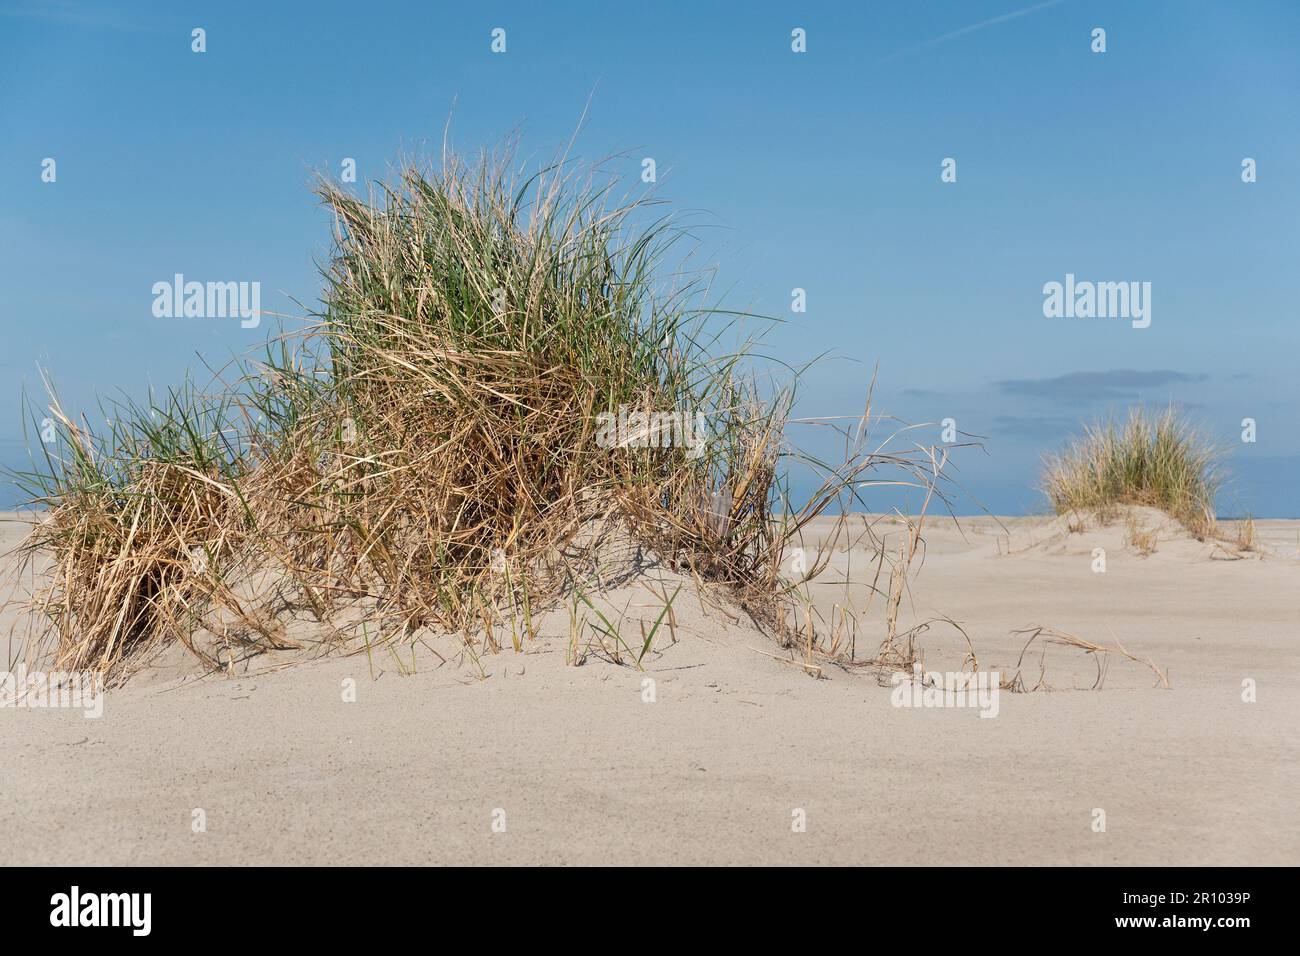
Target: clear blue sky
<point>822,170</point>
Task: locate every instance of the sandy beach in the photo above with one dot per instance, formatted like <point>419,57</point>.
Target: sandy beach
<point>521,759</point>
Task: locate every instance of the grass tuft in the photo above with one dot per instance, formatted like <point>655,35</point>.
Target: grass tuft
<point>1152,459</point>
<point>427,450</point>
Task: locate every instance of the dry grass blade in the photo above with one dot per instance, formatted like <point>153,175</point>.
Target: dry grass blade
<point>1052,635</point>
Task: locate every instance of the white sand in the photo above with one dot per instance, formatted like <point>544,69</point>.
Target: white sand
<point>585,772</point>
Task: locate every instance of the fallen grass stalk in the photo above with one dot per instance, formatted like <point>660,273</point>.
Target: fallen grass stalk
<point>1052,635</point>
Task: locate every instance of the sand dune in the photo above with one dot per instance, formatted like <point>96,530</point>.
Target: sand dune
<point>581,769</point>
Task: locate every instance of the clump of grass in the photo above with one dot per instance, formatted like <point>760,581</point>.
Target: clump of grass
<point>1245,539</point>
<point>1152,459</point>
<point>145,517</point>
<point>428,446</point>
<point>1145,540</point>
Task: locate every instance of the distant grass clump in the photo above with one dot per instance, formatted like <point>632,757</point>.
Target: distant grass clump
<point>429,447</point>
<point>1152,459</point>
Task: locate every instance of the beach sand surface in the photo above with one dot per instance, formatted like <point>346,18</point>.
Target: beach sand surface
<point>518,758</point>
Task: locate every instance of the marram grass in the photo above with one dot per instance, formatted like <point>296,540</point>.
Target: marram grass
<point>426,450</point>
<point>1152,459</point>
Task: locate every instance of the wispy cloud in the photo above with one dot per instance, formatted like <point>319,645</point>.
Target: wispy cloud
<point>992,21</point>
<point>1119,383</point>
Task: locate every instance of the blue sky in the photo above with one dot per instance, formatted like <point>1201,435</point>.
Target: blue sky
<point>816,170</point>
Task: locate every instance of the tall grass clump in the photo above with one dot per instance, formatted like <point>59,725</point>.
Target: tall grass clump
<point>139,511</point>
<point>427,449</point>
<point>1152,459</point>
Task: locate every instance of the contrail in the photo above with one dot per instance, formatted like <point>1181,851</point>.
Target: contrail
<point>971,29</point>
